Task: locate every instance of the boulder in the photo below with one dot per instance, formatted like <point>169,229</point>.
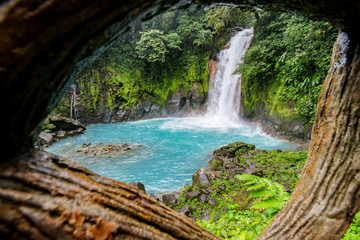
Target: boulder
<point>155,197</point>
<point>191,195</point>
<point>185,210</point>
<point>66,124</point>
<point>108,150</point>
<point>213,202</point>
<point>200,179</point>
<point>233,149</point>
<point>212,175</point>
<point>204,217</point>
<point>171,198</point>
<point>44,140</point>
<point>204,198</point>
<point>138,185</point>
<point>215,163</point>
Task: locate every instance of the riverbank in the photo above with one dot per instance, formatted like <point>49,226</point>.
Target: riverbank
<point>240,192</point>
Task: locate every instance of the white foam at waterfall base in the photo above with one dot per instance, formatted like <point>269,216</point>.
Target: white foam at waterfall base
<point>208,121</point>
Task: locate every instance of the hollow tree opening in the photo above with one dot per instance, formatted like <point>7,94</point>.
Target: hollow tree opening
<point>41,43</point>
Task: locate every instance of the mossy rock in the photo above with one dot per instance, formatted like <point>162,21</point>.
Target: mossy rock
<point>233,149</point>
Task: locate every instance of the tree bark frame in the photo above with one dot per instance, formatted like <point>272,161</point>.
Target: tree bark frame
<point>43,196</point>
<point>45,42</point>
<point>327,196</point>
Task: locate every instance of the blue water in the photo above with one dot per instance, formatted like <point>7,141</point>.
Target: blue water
<point>172,150</point>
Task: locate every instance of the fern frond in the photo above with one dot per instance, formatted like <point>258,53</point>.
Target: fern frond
<point>271,202</point>
<point>261,194</point>
<point>269,194</point>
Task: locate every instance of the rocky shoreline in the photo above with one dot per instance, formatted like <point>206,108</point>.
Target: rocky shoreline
<point>211,184</point>
<point>56,128</point>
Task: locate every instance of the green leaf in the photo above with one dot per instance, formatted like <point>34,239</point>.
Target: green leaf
<point>224,233</point>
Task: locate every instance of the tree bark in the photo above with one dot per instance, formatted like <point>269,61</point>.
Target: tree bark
<point>327,195</point>
<point>43,196</point>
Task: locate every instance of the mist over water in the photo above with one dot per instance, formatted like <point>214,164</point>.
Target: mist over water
<point>173,149</point>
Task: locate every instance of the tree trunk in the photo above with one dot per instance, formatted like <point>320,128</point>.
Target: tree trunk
<point>327,195</point>
<point>43,196</point>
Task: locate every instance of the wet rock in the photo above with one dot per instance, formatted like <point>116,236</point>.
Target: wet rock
<point>213,202</point>
<point>233,149</point>
<point>138,185</point>
<point>109,150</point>
<point>85,145</point>
<point>191,195</point>
<point>200,179</point>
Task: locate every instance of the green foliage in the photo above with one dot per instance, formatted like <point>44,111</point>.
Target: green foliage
<point>287,64</point>
<point>156,57</point>
<point>353,233</point>
<point>151,46</point>
<point>283,167</point>
<point>237,224</point>
<point>251,201</point>
<point>269,194</point>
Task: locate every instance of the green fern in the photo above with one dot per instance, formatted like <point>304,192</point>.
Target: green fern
<point>268,194</point>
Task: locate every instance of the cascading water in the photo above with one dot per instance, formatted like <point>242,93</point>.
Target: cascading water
<point>225,88</point>
<point>73,103</point>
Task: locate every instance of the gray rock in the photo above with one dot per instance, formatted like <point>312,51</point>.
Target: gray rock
<point>44,140</point>
<point>168,199</point>
<point>204,191</point>
<point>66,124</point>
<point>204,198</point>
<point>185,210</point>
<point>60,134</point>
<point>155,197</point>
<point>215,163</point>
<point>213,202</point>
<point>225,209</point>
<point>138,185</point>
<point>177,195</point>
<point>204,217</point>
<point>200,179</point>
<point>191,195</point>
<point>216,218</point>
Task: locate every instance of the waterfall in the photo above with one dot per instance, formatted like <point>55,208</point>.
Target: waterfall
<point>225,86</point>
<point>73,107</point>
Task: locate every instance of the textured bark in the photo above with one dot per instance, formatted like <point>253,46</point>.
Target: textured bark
<point>46,197</point>
<point>327,195</point>
<point>44,43</point>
